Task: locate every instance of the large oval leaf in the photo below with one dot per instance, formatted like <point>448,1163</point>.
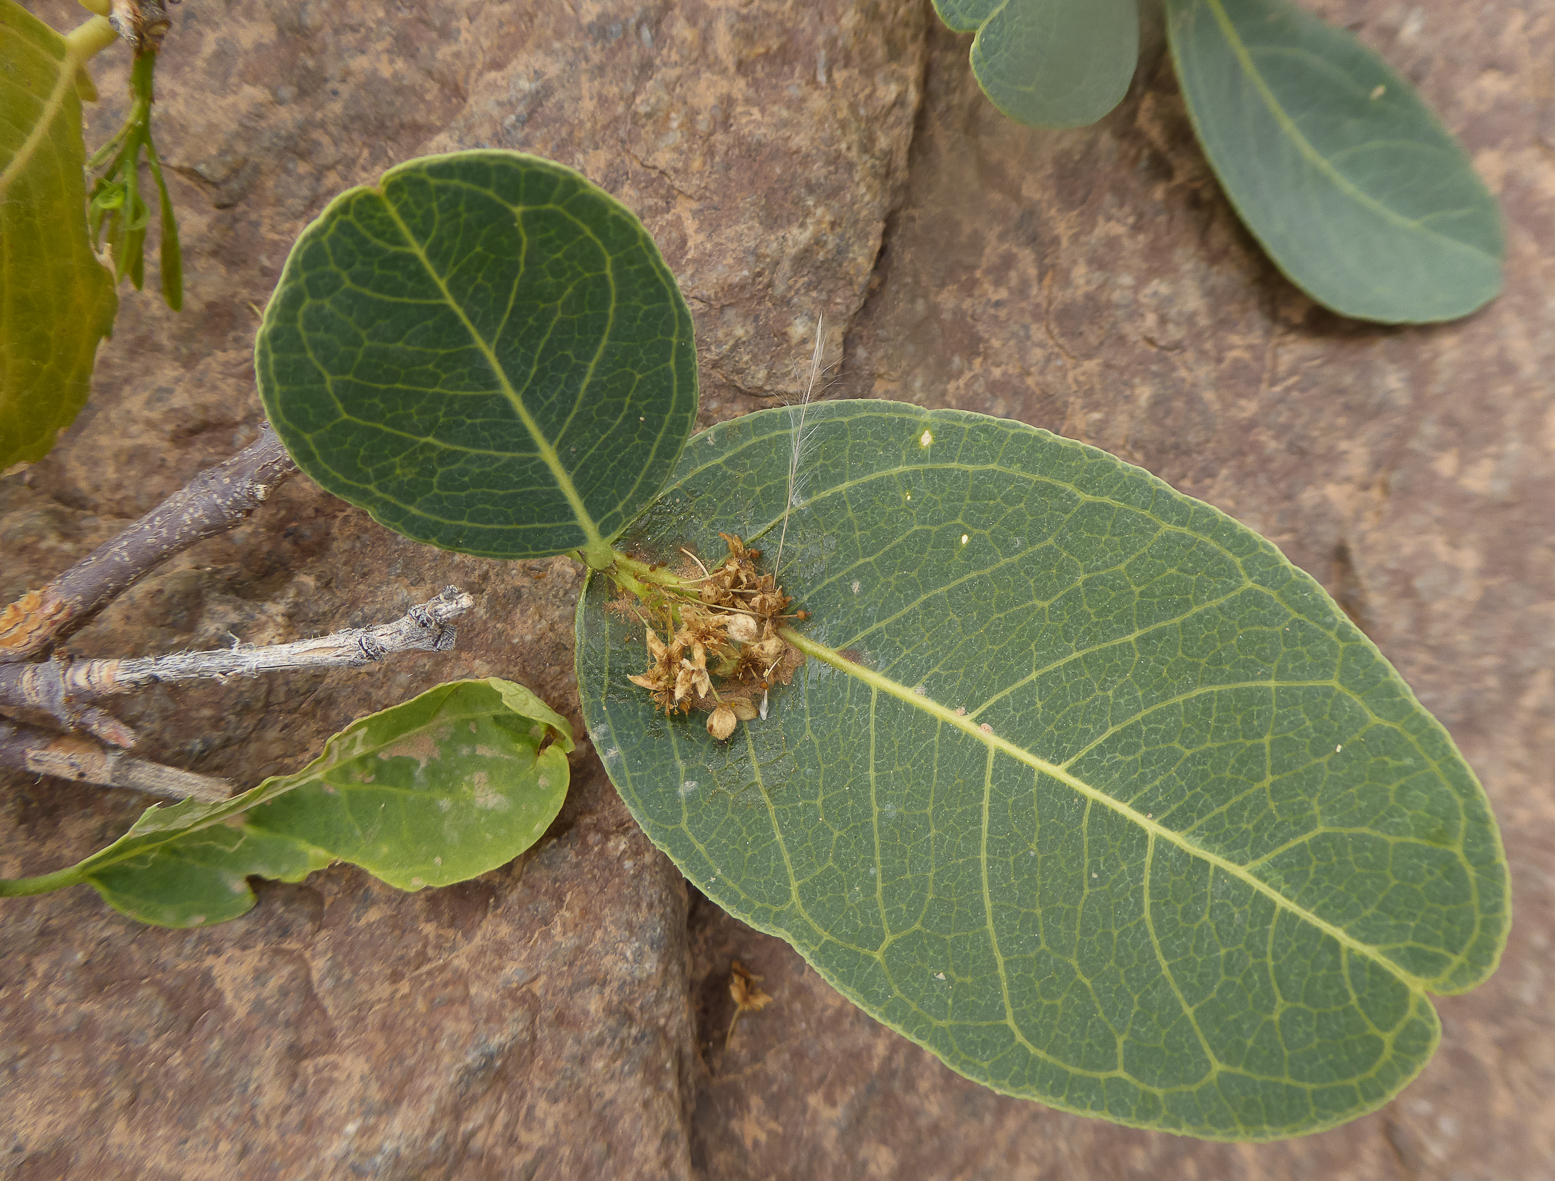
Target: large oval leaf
<point>56,300</point>
<point>1344,175</point>
<point>1050,63</point>
<point>1083,786</point>
<point>484,351</point>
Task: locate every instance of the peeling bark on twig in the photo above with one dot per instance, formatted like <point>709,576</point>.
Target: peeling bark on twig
<point>73,756</point>
<point>59,687</point>
<point>213,502</point>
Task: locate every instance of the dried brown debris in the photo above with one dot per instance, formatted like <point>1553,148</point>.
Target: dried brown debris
<point>721,651</point>
<point>748,997</point>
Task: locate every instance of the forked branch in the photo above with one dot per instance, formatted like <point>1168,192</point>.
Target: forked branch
<point>61,688</point>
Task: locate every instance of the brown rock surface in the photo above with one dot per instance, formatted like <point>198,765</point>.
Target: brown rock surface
<point>542,1021</point>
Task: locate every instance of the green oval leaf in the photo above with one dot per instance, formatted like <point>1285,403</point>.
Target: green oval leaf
<point>484,351</point>
<point>1357,192</point>
<point>58,300</point>
<point>1083,786</point>
<point>432,791</point>
<point>1050,63</point>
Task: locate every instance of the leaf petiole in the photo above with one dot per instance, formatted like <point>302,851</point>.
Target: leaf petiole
<point>88,39</point>
<point>42,883</point>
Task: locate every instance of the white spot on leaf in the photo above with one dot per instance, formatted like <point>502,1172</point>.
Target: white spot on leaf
<point>486,796</point>
<point>965,539</point>
<point>857,586</point>
<point>688,787</point>
<point>926,439</point>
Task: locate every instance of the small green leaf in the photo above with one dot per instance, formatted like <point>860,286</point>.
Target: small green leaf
<point>436,790</point>
<point>1050,63</point>
<point>486,352</point>
<point>1082,785</point>
<point>56,300</point>
<point>1357,192</point>
<point>172,251</point>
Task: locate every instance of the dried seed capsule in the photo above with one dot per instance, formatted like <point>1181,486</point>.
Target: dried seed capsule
<point>721,723</point>
<point>742,629</point>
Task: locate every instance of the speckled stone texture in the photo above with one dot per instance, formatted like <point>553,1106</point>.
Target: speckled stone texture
<point>567,1016</point>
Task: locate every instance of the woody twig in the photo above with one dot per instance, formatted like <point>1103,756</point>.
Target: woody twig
<point>76,757</point>
<point>63,688</point>
<point>216,500</point>
<point>60,687</point>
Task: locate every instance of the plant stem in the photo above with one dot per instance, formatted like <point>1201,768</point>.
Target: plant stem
<point>626,568</point>
<point>42,884</point>
<point>88,39</point>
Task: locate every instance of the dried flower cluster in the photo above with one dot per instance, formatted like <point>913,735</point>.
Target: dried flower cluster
<point>722,649</point>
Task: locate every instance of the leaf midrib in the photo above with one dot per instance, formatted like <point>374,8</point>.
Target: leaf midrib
<point>943,714</point>
<point>542,444</point>
<point>45,124</point>
<point>1311,154</point>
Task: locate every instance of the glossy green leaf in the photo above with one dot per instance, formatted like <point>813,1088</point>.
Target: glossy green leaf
<point>1050,63</point>
<point>56,300</point>
<point>436,790</point>
<point>1083,786</point>
<point>1357,192</point>
<point>484,351</point>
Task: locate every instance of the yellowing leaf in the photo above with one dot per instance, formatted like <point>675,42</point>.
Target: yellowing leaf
<point>56,300</point>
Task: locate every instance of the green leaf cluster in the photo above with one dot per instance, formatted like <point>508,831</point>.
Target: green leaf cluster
<point>436,790</point>
<point>1359,195</point>
<point>1080,784</point>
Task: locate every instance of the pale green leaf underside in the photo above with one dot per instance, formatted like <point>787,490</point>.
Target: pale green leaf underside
<point>1203,866</point>
<point>1050,63</point>
<point>435,790</point>
<point>486,352</point>
<point>1339,169</point>
<point>56,300</point>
